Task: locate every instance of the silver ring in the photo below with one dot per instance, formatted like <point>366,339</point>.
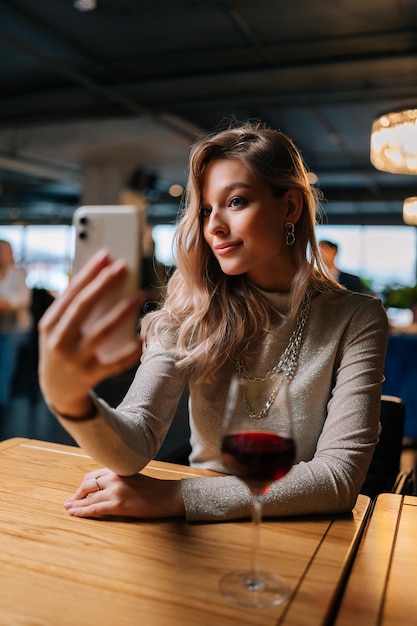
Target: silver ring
<point>97,485</point>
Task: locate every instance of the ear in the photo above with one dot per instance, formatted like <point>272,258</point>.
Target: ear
<point>294,200</point>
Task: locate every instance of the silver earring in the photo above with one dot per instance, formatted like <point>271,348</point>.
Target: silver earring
<point>290,240</point>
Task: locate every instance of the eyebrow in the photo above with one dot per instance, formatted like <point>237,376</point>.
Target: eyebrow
<point>233,186</point>
<point>237,185</point>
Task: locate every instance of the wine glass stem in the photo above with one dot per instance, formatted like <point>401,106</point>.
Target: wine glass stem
<point>257,502</point>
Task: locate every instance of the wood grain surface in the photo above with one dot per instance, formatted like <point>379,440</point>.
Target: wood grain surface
<point>57,570</point>
<point>382,587</point>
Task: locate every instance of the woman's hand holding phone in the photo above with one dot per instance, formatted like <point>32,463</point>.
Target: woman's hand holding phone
<point>70,363</point>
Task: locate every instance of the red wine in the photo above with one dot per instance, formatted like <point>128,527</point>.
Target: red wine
<point>258,458</point>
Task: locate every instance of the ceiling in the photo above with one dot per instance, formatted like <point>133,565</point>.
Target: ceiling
<point>85,95</point>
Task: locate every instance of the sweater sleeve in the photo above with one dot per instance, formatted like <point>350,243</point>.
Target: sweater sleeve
<point>125,439</point>
<point>330,481</point>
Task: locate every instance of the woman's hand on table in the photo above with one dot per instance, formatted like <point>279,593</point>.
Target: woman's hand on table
<point>68,363</point>
<point>103,493</point>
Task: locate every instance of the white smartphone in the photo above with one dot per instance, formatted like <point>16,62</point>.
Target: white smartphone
<point>119,229</point>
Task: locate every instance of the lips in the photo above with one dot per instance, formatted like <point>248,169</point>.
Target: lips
<point>226,248</point>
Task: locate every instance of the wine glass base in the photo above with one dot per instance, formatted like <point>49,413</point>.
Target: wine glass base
<point>268,589</point>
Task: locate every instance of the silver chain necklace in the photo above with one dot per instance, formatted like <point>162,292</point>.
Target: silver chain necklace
<point>286,365</point>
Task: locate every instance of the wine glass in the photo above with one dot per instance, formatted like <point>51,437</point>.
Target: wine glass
<point>258,447</point>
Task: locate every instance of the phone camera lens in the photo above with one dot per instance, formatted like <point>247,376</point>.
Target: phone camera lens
<point>84,220</point>
<point>82,234</point>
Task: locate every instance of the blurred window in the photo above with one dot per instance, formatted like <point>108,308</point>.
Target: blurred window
<point>381,255</point>
<point>45,253</point>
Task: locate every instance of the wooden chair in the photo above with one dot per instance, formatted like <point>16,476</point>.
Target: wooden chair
<point>385,474</point>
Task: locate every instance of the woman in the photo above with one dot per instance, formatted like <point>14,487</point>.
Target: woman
<point>15,319</point>
<point>249,288</point>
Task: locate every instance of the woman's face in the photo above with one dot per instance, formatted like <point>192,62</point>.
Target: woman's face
<point>244,225</point>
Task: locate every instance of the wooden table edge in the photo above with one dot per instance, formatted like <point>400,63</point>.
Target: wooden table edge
<point>327,606</point>
<point>166,469</point>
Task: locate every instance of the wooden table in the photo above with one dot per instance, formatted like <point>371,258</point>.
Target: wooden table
<point>57,570</point>
<point>382,589</point>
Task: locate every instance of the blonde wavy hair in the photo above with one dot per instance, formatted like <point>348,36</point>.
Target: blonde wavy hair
<point>209,317</point>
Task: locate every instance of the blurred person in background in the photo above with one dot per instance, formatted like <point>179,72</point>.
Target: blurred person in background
<point>15,318</point>
<point>329,250</point>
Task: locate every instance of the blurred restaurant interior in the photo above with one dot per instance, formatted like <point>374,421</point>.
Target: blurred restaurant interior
<point>101,100</point>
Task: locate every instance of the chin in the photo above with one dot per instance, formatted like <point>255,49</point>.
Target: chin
<point>233,272</point>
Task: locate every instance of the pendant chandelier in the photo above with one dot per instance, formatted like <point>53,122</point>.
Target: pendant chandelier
<point>410,210</point>
<point>394,142</point>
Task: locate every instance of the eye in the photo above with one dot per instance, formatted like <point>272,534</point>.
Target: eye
<point>204,212</point>
<point>238,202</point>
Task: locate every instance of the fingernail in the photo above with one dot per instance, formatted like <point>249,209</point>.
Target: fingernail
<point>102,254</point>
<point>119,265</point>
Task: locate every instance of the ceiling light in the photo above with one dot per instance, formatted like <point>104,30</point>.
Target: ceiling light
<point>394,142</point>
<point>312,178</point>
<point>175,190</point>
<point>410,210</point>
<point>85,5</point>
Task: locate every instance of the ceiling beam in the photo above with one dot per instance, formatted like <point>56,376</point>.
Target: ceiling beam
<point>35,169</point>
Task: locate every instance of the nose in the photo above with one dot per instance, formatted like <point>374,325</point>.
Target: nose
<point>216,223</point>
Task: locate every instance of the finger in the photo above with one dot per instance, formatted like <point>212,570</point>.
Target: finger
<point>82,302</point>
<point>124,354</point>
<point>126,359</point>
<point>92,498</point>
<point>85,360</point>
<point>97,473</point>
<point>91,507</point>
<point>112,318</point>
<point>65,333</point>
<point>89,485</point>
<point>123,312</point>
<point>111,363</point>
<point>87,488</point>
<point>91,269</point>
